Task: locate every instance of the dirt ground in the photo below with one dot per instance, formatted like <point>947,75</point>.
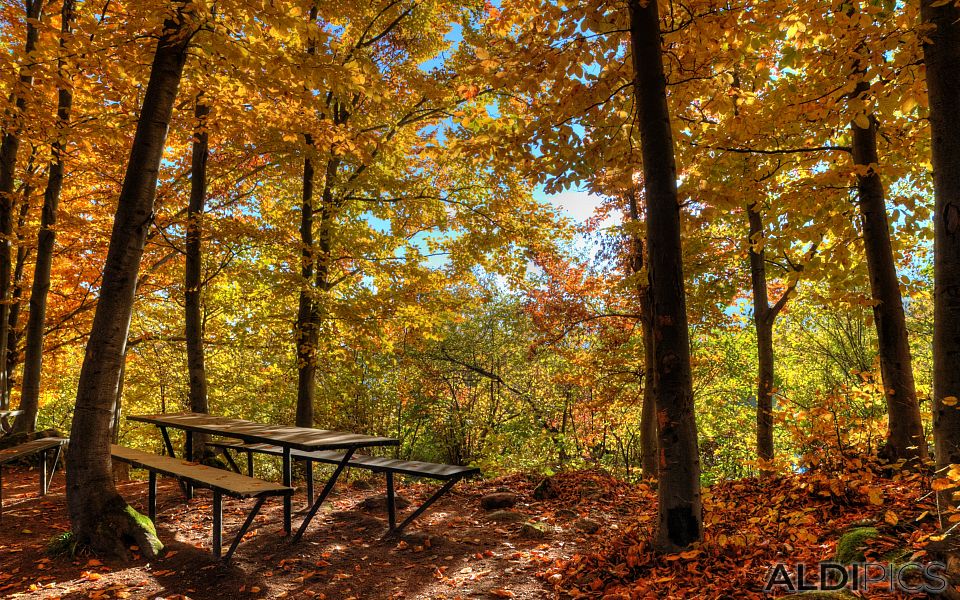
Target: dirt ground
<point>452,551</point>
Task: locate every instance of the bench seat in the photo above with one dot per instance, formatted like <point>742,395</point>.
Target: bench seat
<point>449,474</point>
<point>43,447</point>
<point>218,481</point>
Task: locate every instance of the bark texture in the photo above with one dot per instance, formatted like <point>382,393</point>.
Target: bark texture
<point>99,516</point>
<point>905,437</point>
<point>942,58</point>
<point>9,148</point>
<point>46,240</point>
<point>764,316</point>
<point>680,509</point>
<point>193,271</point>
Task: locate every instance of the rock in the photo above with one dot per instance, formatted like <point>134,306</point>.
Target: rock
<point>850,546</point>
<point>587,526</point>
<point>506,516</point>
<point>565,514</point>
<point>533,531</point>
<point>498,500</point>
<point>380,502</point>
<point>546,490</point>
<point>361,484</point>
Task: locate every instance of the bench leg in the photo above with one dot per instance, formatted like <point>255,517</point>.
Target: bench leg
<point>287,500</point>
<point>309,478</point>
<point>43,473</point>
<point>1,493</point>
<point>250,463</point>
<point>244,528</point>
<point>56,459</point>
<point>217,523</point>
<point>436,496</point>
<point>323,495</point>
<point>166,442</point>
<point>188,455</point>
<point>391,502</point>
<point>152,497</point>
<point>230,461</point>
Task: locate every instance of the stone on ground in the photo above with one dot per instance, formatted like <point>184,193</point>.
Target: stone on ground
<point>498,500</point>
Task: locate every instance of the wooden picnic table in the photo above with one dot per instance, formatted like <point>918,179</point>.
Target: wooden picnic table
<point>287,437</point>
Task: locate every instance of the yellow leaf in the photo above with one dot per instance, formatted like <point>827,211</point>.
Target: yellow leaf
<point>862,121</point>
<point>949,401</point>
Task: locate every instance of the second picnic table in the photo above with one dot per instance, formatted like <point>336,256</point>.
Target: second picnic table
<point>287,437</point>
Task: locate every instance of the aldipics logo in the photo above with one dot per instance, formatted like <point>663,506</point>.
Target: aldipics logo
<point>909,577</point>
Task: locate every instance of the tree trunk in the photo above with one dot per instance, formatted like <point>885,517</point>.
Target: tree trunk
<point>308,334</point>
<point>46,238</point>
<point>13,322</point>
<point>307,327</point>
<point>680,509</point>
<point>9,147</point>
<point>905,438</point>
<point>648,411</point>
<point>193,271</point>
<point>942,58</point>
<point>763,318</point>
<point>98,514</point>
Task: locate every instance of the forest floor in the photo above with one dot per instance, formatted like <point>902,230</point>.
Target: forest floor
<point>456,550</point>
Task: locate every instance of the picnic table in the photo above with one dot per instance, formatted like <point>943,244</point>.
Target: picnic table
<point>287,437</point>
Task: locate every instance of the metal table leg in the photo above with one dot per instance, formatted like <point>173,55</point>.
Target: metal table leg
<point>323,495</point>
<point>287,500</point>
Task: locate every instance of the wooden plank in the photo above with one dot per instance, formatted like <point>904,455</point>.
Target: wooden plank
<point>29,448</point>
<point>298,438</point>
<point>10,413</point>
<point>229,482</point>
<point>373,463</point>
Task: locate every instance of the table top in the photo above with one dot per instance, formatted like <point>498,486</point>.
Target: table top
<point>28,448</point>
<point>296,438</point>
<point>10,413</point>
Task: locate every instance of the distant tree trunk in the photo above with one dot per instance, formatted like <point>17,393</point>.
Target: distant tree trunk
<point>905,438</point>
<point>942,58</point>
<point>193,272</point>
<point>680,509</point>
<point>98,514</point>
<point>9,147</point>
<point>763,319</point>
<point>46,238</point>
<point>13,319</point>
<point>648,411</point>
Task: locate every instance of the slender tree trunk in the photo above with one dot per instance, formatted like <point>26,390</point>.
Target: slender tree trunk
<point>763,318</point>
<point>13,323</point>
<point>905,438</point>
<point>308,335</point>
<point>648,411</point>
<point>307,327</point>
<point>193,272</point>
<point>9,147</point>
<point>680,509</point>
<point>46,239</point>
<point>942,58</point>
<point>98,514</point>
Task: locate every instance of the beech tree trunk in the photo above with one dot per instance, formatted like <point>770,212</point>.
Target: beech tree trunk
<point>193,271</point>
<point>98,514</point>
<point>905,438</point>
<point>308,317</point>
<point>942,58</point>
<point>308,333</point>
<point>46,239</point>
<point>680,509</point>
<point>763,319</point>
<point>14,334</point>
<point>9,147</point>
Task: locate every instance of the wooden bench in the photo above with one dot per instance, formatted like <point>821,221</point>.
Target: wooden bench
<point>449,474</point>
<point>219,481</point>
<point>43,447</point>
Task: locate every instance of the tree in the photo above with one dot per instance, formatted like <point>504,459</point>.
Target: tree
<point>98,514</point>
<point>680,510</point>
<point>941,54</point>
<point>193,270</point>
<point>46,239</point>
<point>9,148</point>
